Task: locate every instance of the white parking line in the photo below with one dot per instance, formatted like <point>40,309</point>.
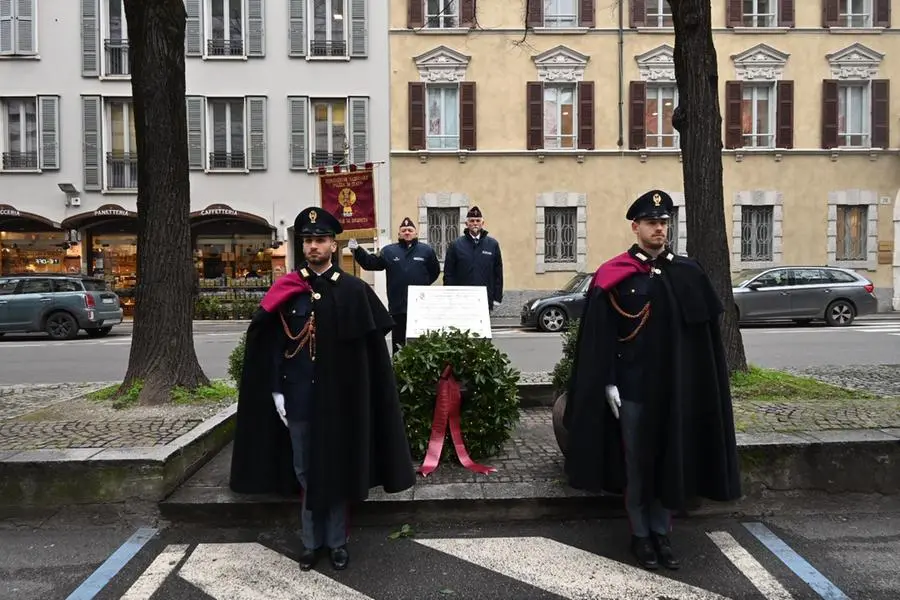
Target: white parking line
<point>151,579</point>
<point>761,579</point>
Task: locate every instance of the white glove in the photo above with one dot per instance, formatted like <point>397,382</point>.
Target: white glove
<point>496,303</point>
<point>612,397</point>
<point>353,244</point>
<point>279,407</point>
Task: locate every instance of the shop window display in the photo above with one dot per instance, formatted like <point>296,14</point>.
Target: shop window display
<point>114,259</point>
<point>32,252</point>
<point>236,263</point>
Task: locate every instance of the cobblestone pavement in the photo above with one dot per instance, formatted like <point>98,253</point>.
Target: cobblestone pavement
<point>27,435</point>
<point>17,400</point>
<point>883,380</point>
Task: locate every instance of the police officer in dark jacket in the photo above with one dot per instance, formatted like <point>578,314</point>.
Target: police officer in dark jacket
<point>408,262</point>
<point>474,259</point>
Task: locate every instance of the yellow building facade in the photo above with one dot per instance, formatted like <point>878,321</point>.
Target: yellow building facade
<point>553,115</point>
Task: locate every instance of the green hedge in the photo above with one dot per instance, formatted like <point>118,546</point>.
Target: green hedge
<point>212,308</point>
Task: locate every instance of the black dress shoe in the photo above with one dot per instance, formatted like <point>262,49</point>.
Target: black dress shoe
<point>308,559</point>
<point>643,551</point>
<point>664,552</point>
<point>340,558</point>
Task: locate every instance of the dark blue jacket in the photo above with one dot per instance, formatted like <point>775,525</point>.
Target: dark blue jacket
<point>405,265</point>
<point>475,262</point>
<point>293,376</point>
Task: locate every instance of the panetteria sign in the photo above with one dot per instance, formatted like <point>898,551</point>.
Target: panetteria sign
<point>111,210</point>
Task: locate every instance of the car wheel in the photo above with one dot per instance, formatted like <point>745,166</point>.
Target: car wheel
<point>840,313</point>
<point>61,326</point>
<point>99,332</point>
<point>552,319</point>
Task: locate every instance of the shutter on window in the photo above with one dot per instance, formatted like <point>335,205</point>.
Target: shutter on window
<point>786,13</point>
<point>193,28</point>
<point>468,139</point>
<point>734,13</point>
<point>48,126</point>
<point>359,130</point>
<point>829,113</point>
<point>256,130</point>
<point>196,131</point>
<point>359,29</point>
<point>535,15</point>
<point>881,116</point>
<point>534,95</point>
<point>467,13</point>
<point>6,27</point>
<point>586,13</point>
<point>586,115</point>
<point>91,116</point>
<point>25,27</point>
<point>830,13</point>
<point>416,116</point>
<point>734,131</point>
<point>638,13</point>
<point>637,127</point>
<point>415,14</point>
<point>297,106</point>
<point>297,35</point>
<point>90,39</point>
<point>784,115</point>
<point>256,29</point>
<point>882,13</point>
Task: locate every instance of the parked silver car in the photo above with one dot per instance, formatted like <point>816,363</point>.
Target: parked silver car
<point>803,294</point>
<point>59,305</point>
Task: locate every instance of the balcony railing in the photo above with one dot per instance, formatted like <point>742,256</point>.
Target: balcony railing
<point>225,48</point>
<point>121,171</point>
<point>227,160</point>
<point>20,161</point>
<point>328,159</point>
<point>325,48</point>
<point>117,62</point>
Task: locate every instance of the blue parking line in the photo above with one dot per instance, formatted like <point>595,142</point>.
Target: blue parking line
<point>111,567</point>
<point>796,563</point>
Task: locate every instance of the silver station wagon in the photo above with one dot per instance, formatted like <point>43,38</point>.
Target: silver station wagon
<point>803,294</point>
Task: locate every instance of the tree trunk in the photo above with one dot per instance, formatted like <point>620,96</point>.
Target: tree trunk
<point>699,123</point>
<point>162,346</point>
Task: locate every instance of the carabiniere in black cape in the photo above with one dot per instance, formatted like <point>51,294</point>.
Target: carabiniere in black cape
<point>358,434</point>
<point>686,382</point>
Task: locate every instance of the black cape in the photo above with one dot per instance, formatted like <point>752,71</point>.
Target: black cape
<point>358,433</point>
<point>692,447</point>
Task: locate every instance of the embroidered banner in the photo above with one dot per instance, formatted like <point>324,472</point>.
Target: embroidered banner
<point>350,197</point>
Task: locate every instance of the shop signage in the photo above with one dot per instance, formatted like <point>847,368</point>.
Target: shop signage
<point>350,197</point>
<point>111,210</point>
<point>218,210</point>
<point>8,211</point>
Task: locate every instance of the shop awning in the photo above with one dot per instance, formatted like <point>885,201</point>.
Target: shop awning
<point>12,219</point>
<point>106,215</point>
<point>224,213</point>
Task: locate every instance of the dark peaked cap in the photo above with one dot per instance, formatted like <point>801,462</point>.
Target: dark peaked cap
<point>655,204</point>
<point>474,213</point>
<point>314,222</point>
<point>407,222</point>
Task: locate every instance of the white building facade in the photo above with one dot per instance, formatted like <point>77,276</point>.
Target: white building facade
<point>276,89</point>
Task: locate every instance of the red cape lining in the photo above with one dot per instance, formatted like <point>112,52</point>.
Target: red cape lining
<point>616,269</point>
<point>284,288</point>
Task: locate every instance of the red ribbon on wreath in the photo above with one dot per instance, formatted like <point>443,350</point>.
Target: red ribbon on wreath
<point>447,409</point>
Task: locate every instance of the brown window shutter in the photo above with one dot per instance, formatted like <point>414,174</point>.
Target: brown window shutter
<point>467,138</point>
<point>415,14</point>
<point>830,13</point>
<point>535,16</point>
<point>586,13</point>
<point>637,127</point>
<point>734,131</point>
<point>534,94</point>
<point>734,13</point>
<point>882,13</point>
<point>416,116</point>
<point>586,115</point>
<point>830,113</point>
<point>784,115</point>
<point>466,13</point>
<point>786,13</point>
<point>881,116</point>
<point>638,13</point>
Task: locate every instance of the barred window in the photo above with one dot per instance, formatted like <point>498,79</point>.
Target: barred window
<point>852,230</point>
<point>757,233</point>
<point>560,228</point>
<point>674,223</point>
<point>443,228</point>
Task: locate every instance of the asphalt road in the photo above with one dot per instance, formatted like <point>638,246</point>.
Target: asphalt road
<point>849,553</point>
<point>35,359</point>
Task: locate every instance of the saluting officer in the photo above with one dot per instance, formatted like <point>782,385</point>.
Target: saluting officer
<point>649,342</point>
<point>406,262</point>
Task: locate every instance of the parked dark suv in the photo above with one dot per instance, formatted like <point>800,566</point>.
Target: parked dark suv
<point>57,304</point>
